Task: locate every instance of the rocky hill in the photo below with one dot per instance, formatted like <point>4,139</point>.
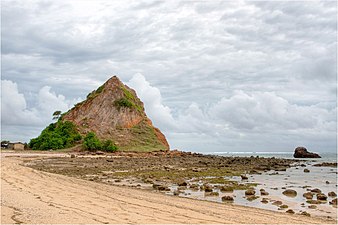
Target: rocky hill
<point>114,112</point>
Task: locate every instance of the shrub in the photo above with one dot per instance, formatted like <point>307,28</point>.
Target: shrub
<point>92,143</point>
<point>123,102</point>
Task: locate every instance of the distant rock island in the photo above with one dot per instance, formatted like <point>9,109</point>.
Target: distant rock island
<point>111,113</point>
<point>301,152</point>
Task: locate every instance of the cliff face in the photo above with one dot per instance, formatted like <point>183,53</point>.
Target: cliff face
<point>114,111</point>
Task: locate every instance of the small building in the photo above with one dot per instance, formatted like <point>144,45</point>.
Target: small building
<point>16,146</point>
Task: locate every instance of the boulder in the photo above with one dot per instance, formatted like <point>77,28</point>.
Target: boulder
<point>301,152</point>
<point>244,177</point>
<point>306,171</point>
<point>308,195</point>
<point>290,193</point>
<point>277,203</point>
<point>316,190</point>
<point>321,197</point>
<point>290,211</point>
<point>332,194</point>
<point>250,192</point>
<point>333,202</point>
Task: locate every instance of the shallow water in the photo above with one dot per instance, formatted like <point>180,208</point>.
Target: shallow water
<point>293,178</point>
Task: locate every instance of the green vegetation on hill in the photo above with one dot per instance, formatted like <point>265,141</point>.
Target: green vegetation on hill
<point>56,136</point>
<point>92,143</point>
<point>128,101</point>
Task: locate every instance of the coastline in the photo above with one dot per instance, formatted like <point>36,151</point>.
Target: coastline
<point>50,196</point>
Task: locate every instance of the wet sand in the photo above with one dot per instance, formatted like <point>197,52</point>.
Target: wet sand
<point>32,196</point>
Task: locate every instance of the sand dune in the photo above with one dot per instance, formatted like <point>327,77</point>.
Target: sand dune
<point>31,196</point>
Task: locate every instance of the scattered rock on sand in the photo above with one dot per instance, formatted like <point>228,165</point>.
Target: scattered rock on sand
<point>263,192</point>
<point>290,211</point>
<point>312,207</point>
<point>306,171</point>
<point>301,152</point>
<point>332,194</point>
<point>226,189</point>
<point>264,200</point>
<point>227,198</point>
<point>183,183</point>
<point>250,192</point>
<point>327,182</point>
<point>313,201</point>
<point>207,188</point>
<point>72,156</point>
<point>252,197</point>
<point>284,206</point>
<point>290,193</point>
<point>213,193</point>
<point>308,195</point>
<point>321,197</point>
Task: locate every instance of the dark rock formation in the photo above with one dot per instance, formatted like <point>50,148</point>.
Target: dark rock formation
<point>301,152</point>
<point>114,112</point>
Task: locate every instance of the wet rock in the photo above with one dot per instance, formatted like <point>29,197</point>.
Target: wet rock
<point>301,152</point>
<point>284,206</point>
<point>313,201</point>
<point>290,211</point>
<point>306,171</point>
<point>312,207</point>
<point>308,195</point>
<point>250,192</point>
<point>316,190</point>
<point>332,194</point>
<point>321,197</point>
<point>183,183</point>
<point>227,198</point>
<point>244,177</point>
<point>290,193</point>
<point>278,203</point>
<point>305,213</point>
<point>334,202</point>
<point>251,198</point>
<point>265,201</point>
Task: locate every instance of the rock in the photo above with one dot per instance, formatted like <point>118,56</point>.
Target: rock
<point>290,211</point>
<point>306,171</point>
<point>72,156</point>
<point>327,182</point>
<point>183,183</point>
<point>290,193</point>
<point>313,201</point>
<point>301,152</point>
<point>264,193</point>
<point>208,188</point>
<point>213,193</point>
<point>99,153</point>
<point>308,195</point>
<point>316,190</point>
<point>326,164</point>
<point>265,201</point>
<point>333,202</point>
<point>321,197</point>
<point>244,177</point>
<point>226,189</point>
<point>227,198</point>
<point>332,194</point>
<point>305,213</point>
<point>176,193</point>
<point>278,203</point>
<point>251,197</point>
<point>284,206</point>
<point>312,207</point>
<point>250,192</point>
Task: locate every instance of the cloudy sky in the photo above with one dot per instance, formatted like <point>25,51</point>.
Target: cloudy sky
<point>215,76</point>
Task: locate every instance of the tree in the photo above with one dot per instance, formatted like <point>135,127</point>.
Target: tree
<point>56,115</point>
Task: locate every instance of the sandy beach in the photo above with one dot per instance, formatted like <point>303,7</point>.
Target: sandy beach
<point>31,196</point>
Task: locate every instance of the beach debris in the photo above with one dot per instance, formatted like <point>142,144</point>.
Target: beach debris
<point>250,192</point>
<point>301,152</point>
<point>244,177</point>
<point>227,198</point>
<point>308,195</point>
<point>321,197</point>
<point>332,194</point>
<point>278,203</point>
<point>290,193</point>
<point>306,171</point>
<point>290,211</point>
<point>316,190</point>
<point>333,202</point>
<point>305,213</point>
<point>312,207</point>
